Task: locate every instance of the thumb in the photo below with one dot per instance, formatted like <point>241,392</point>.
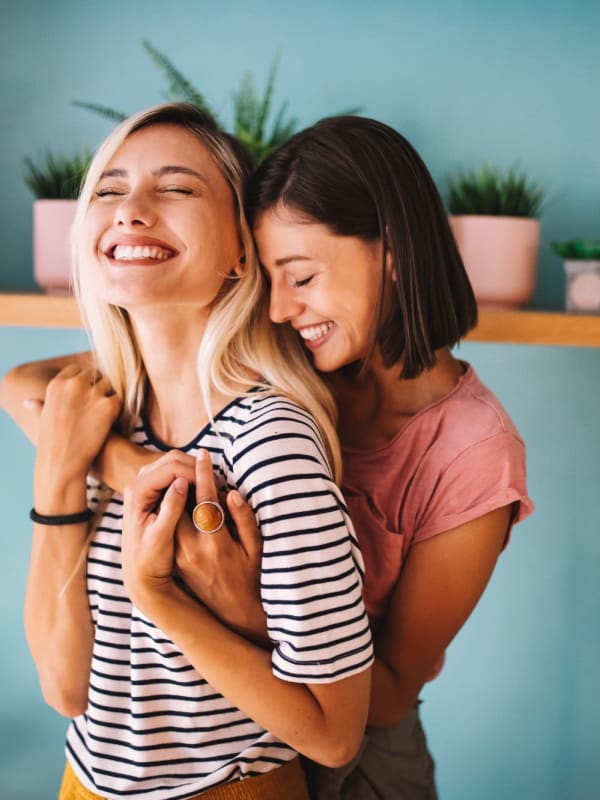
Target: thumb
<point>245,523</point>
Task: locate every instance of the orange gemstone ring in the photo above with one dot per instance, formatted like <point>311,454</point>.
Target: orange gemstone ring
<point>208,517</point>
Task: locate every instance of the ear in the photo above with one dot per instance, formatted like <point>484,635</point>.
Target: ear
<point>389,266</point>
<point>239,267</point>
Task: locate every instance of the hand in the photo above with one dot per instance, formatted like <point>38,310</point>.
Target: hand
<point>153,505</point>
<point>223,572</point>
<point>79,411</point>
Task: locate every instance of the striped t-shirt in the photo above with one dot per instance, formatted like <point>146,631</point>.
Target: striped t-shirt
<point>154,728</point>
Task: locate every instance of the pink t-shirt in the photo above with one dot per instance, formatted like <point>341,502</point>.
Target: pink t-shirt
<point>455,460</point>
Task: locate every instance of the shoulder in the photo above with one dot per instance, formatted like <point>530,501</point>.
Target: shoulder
<point>472,417</point>
<point>271,428</point>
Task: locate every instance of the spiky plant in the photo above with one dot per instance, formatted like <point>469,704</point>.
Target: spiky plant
<point>250,112</point>
<point>489,191</point>
<point>578,249</point>
<point>56,177</point>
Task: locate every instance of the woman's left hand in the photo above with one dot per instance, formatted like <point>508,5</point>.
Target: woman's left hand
<point>222,571</point>
<point>153,505</point>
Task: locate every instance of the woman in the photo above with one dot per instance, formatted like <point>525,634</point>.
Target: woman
<point>362,265</point>
<point>168,702</point>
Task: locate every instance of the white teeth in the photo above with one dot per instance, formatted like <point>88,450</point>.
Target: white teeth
<point>126,252</point>
<point>315,331</point>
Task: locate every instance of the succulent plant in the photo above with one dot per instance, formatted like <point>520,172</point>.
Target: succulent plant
<point>490,191</point>
<point>578,249</point>
<point>56,177</point>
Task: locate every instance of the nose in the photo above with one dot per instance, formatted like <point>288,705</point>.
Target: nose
<point>283,305</point>
<point>134,211</point>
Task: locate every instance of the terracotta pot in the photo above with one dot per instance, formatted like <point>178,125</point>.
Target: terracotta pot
<point>52,221</point>
<point>500,255</point>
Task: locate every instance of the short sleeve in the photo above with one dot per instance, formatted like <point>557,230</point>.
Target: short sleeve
<point>311,578</point>
<point>488,475</point>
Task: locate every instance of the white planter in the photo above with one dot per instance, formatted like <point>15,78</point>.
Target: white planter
<point>582,286</point>
<point>52,221</point>
<point>500,255</point>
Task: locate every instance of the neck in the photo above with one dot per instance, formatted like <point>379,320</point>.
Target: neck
<point>169,344</point>
<point>375,408</point>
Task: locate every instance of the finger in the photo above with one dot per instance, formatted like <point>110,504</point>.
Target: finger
<point>172,505</point>
<point>179,463</point>
<point>206,488</point>
<point>149,485</point>
<point>69,371</point>
<point>245,523</point>
<point>104,386</point>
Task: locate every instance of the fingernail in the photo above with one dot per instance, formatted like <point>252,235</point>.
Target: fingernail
<point>180,486</point>
<point>203,455</point>
<point>236,499</point>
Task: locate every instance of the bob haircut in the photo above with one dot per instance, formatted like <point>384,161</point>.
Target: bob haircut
<point>239,342</point>
<point>361,178</point>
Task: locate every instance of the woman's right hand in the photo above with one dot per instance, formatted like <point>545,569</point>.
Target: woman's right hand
<point>79,411</point>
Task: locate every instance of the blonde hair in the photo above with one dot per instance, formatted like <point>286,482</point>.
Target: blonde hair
<point>239,339</point>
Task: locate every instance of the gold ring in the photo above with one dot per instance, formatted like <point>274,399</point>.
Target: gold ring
<point>208,517</point>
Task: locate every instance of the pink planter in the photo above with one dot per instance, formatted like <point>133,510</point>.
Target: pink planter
<point>500,255</point>
<point>52,221</point>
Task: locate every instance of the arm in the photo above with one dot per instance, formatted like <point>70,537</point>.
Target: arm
<point>77,415</point>
<point>22,394</point>
<point>325,720</point>
<point>439,586</point>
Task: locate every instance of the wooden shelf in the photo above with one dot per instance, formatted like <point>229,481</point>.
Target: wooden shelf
<point>518,327</point>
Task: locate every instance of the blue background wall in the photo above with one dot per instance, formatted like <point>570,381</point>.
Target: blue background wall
<point>515,713</point>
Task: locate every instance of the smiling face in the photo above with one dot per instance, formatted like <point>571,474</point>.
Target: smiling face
<point>326,286</point>
<point>161,226</point>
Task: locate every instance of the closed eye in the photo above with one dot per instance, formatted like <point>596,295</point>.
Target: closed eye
<point>178,190</point>
<point>108,192</point>
<point>303,282</point>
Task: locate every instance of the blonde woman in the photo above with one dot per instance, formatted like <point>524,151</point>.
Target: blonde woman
<point>166,701</point>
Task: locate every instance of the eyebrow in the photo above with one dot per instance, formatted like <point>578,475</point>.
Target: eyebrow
<point>281,262</point>
<point>166,170</point>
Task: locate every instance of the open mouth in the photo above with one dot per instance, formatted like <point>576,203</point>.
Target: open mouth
<point>127,252</point>
<point>313,333</point>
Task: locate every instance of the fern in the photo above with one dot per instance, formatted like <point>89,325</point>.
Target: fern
<point>179,86</point>
<point>251,113</point>
<point>103,111</point>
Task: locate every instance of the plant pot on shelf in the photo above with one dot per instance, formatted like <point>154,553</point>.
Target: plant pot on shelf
<point>500,255</point>
<point>52,220</point>
<point>582,286</point>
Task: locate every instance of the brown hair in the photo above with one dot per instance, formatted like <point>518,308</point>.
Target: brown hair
<point>361,178</point>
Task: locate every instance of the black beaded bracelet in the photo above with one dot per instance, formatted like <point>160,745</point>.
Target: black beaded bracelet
<point>61,519</point>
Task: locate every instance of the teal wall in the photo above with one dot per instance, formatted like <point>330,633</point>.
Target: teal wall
<point>515,714</point>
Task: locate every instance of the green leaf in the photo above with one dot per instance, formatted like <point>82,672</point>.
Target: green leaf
<point>103,111</point>
<point>180,88</point>
<point>56,177</point>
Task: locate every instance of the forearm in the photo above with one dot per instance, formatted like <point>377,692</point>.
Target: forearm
<point>58,623</point>
<point>119,461</point>
<point>294,712</point>
<point>392,696</point>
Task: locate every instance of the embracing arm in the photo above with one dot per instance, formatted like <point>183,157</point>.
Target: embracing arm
<point>22,394</point>
<point>77,415</point>
<point>325,721</point>
<point>439,586</point>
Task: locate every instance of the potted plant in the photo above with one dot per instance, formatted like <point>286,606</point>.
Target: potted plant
<point>494,217</point>
<point>581,259</point>
<point>55,182</point>
<point>251,113</point>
